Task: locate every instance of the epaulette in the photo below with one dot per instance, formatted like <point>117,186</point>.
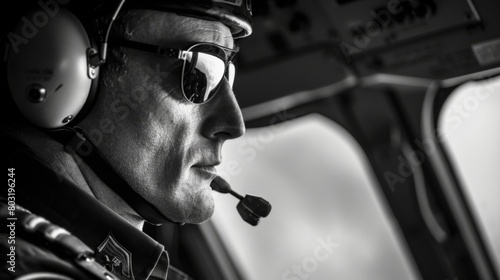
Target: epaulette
<point>54,238</point>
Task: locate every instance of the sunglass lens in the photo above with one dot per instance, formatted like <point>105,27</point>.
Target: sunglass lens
<point>202,76</point>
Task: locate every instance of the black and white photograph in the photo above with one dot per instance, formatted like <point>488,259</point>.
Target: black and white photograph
<point>250,140</point>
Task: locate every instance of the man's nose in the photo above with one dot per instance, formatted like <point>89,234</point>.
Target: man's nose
<point>223,118</point>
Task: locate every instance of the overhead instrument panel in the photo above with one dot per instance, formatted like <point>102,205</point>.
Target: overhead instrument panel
<point>316,43</point>
<point>367,26</point>
<point>429,39</point>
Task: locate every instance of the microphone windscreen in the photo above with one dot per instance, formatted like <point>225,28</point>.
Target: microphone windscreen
<point>220,185</point>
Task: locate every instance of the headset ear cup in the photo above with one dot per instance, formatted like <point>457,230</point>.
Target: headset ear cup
<point>47,67</point>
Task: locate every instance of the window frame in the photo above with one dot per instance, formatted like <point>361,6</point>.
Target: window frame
<point>435,98</point>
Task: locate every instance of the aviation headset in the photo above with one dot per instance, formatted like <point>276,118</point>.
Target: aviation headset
<point>54,56</point>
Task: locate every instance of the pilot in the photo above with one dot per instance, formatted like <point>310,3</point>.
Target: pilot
<point>117,114</point>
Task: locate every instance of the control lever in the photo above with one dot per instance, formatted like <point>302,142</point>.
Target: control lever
<point>251,208</point>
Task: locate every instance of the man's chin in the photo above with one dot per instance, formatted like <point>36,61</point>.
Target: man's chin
<point>203,210</point>
<point>200,211</point>
<point>199,217</point>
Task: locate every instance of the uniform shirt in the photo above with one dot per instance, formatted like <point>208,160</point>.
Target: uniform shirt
<point>121,248</point>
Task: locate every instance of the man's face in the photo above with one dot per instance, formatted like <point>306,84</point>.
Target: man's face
<point>165,147</point>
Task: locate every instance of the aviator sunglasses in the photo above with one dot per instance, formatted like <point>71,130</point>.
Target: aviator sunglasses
<point>204,67</point>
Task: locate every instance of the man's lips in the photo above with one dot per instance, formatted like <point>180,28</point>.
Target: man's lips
<point>206,171</point>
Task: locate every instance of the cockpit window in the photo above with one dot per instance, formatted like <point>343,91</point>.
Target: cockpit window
<point>469,122</point>
<point>329,219</point>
